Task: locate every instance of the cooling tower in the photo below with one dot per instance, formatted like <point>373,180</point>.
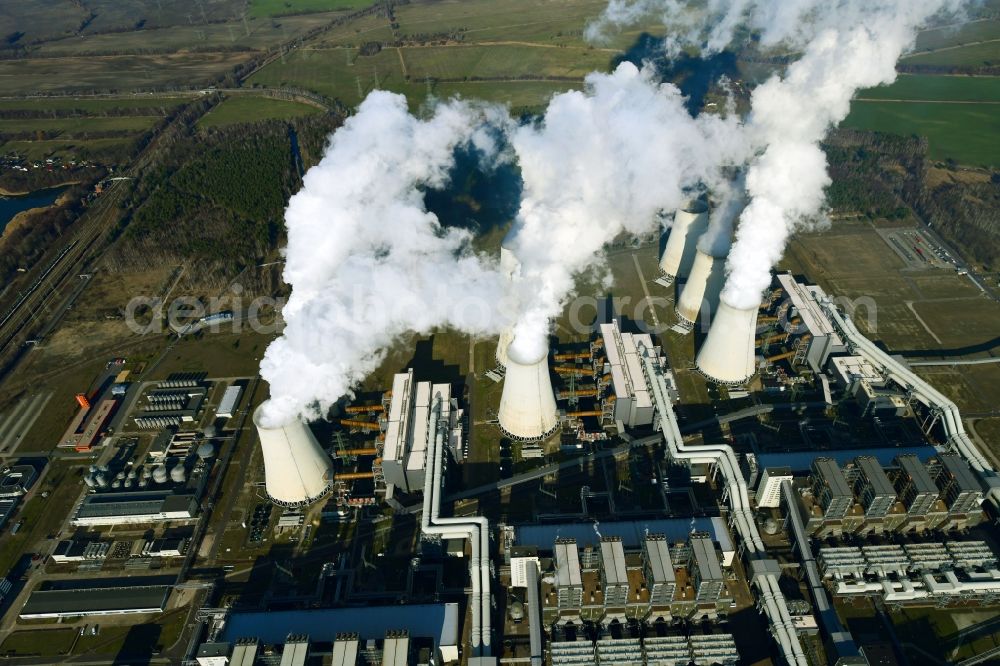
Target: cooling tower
<point>506,337</point>
<point>727,354</point>
<point>705,282</point>
<point>528,405</point>
<point>296,469</point>
<point>689,223</point>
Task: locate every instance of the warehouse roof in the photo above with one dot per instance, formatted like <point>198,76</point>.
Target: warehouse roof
<point>91,601</point>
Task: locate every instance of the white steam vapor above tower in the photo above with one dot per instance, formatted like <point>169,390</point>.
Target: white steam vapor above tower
<point>700,294</point>
<point>727,355</point>
<point>678,255</point>
<point>296,469</point>
<point>528,405</point>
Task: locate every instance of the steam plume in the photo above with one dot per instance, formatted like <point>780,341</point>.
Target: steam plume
<point>730,200</point>
<point>600,162</point>
<point>366,261</point>
<point>848,45</point>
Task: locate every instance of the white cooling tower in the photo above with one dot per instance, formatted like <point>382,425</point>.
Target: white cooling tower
<point>704,284</point>
<point>689,223</point>
<point>727,354</point>
<point>296,469</point>
<point>506,337</point>
<point>528,405</point>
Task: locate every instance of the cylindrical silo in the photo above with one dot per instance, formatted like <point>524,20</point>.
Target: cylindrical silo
<point>727,354</point>
<point>701,292</point>
<point>678,255</point>
<point>178,474</point>
<point>160,474</point>
<point>296,469</point>
<point>528,405</point>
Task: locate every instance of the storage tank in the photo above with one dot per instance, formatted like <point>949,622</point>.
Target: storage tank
<point>296,469</point>
<point>160,474</point>
<point>727,354</point>
<point>700,294</point>
<point>101,480</point>
<point>528,404</point>
<point>206,450</point>
<point>178,474</point>
<point>678,254</point>
<point>90,481</point>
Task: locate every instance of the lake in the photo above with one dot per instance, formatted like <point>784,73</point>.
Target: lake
<point>11,206</point>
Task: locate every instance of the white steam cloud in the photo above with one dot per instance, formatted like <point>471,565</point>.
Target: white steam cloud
<point>600,162</point>
<point>729,200</point>
<point>848,45</point>
<point>366,261</point>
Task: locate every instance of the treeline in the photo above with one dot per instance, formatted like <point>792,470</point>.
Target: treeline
<point>108,112</point>
<point>888,176</point>
<point>24,244</point>
<point>15,180</point>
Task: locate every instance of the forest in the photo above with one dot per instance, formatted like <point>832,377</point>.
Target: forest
<point>887,176</point>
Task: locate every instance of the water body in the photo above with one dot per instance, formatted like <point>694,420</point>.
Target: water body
<point>11,206</point>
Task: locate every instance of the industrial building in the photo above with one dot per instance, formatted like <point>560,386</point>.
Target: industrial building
<point>16,480</point>
<point>954,570</point>
<point>171,406</point>
<point>633,404</point>
<point>697,649</point>
<point>297,471</point>
<point>805,301</point>
<point>914,486</point>
<point>404,452</point>
<point>872,487</point>
<point>768,493</point>
<point>88,424</point>
<point>78,601</point>
<point>831,489</point>
<point>80,550</point>
<point>130,508</point>
<point>230,400</point>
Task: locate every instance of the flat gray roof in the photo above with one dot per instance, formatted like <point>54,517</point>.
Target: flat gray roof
<point>90,601</point>
<point>917,472</point>
<point>706,557</point>
<point>833,477</point>
<point>876,476</point>
<point>960,469</point>
<point>658,556</point>
<point>632,532</point>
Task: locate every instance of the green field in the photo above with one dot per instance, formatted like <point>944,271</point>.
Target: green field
<point>938,88</point>
<point>42,642</point>
<point>251,108</point>
<point>284,7</point>
<point>79,124</point>
<point>971,55</point>
<point>93,105</point>
<point>968,133</point>
<point>503,62</point>
<point>947,36</point>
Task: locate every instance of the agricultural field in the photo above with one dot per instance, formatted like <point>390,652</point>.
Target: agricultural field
<point>501,62</point>
<point>968,133</point>
<point>113,73</point>
<point>937,88</point>
<point>955,35</point>
<point>259,8</point>
<point>251,108</point>
<point>982,54</point>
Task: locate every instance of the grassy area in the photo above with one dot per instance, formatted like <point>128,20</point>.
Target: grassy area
<point>966,133</point>
<point>114,73</point>
<point>261,8</point>
<point>502,61</point>
<point>42,515</point>
<point>961,322</point>
<point>88,105</point>
<point>218,354</point>
<point>949,634</point>
<point>948,36</point>
<point>919,87</point>
<point>251,108</point>
<point>79,124</point>
<point>42,643</point>
<point>970,55</point>
<point>110,151</point>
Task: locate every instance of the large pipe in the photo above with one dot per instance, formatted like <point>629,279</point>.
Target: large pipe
<point>360,425</point>
<point>473,528</point>
<point>678,254</point>
<point>296,469</point>
<point>951,418</point>
<point>742,517</point>
<point>571,356</point>
<point>363,409</point>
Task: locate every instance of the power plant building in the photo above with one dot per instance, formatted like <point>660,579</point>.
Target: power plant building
<point>569,581</point>
<point>959,487</point>
<point>914,486</point>
<point>709,583</point>
<point>831,489</point>
<point>805,304</point>
<point>297,471</point>
<point>659,570</point>
<point>614,576</point>
<point>633,402</point>
<point>130,508</point>
<point>768,494</point>
<point>872,487</point>
<point>404,454</point>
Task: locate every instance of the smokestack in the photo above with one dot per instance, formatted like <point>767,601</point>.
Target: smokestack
<point>727,355</point>
<point>705,283</point>
<point>678,255</point>
<point>528,405</point>
<point>296,469</point>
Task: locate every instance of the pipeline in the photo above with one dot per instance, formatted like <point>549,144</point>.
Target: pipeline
<point>473,528</point>
<point>572,356</point>
<point>579,393</point>
<point>590,412</point>
<point>780,357</point>
<point>363,409</point>
<point>951,418</point>
<point>573,370</point>
<point>361,425</point>
<point>356,452</point>
<point>353,476</point>
<point>723,456</point>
